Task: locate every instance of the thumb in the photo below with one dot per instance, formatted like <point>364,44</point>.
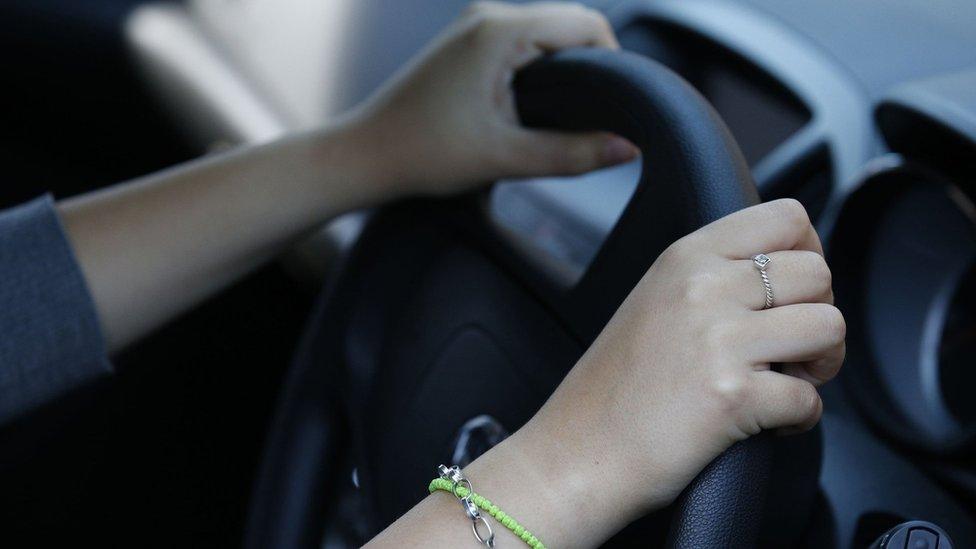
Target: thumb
<point>545,152</point>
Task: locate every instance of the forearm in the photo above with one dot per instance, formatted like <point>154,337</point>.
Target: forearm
<point>154,247</point>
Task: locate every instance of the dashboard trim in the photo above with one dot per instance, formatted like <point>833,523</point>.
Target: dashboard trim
<point>840,108</point>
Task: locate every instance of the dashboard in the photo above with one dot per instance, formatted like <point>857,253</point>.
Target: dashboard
<point>864,112</point>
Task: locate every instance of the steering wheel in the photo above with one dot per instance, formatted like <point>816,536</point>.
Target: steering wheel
<point>433,294</point>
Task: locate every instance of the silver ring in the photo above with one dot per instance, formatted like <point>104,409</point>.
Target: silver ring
<point>760,261</point>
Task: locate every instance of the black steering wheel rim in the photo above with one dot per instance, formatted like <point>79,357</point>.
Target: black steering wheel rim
<point>699,175</point>
<point>693,173</point>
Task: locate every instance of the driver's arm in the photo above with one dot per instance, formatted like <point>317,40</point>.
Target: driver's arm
<point>680,373</point>
<point>152,248</point>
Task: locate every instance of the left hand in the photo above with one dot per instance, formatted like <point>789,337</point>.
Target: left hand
<point>447,121</point>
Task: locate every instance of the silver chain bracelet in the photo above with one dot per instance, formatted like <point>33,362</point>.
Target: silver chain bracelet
<point>458,479</point>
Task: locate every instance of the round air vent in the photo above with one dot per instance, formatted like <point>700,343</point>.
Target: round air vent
<point>903,254</point>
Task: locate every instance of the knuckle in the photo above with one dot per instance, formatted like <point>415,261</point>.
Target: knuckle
<point>606,29</point>
<point>820,271</point>
<point>681,250</point>
<point>595,21</point>
<point>826,322</point>
<point>833,323</point>
<point>472,26</point>
<point>480,19</point>
<point>729,391</point>
<point>673,254</point>
<point>827,369</point>
<point>698,287</point>
<point>595,17</point>
<point>479,7</point>
<point>792,211</point>
<point>717,336</point>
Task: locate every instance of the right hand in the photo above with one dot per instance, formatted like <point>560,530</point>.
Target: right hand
<point>682,370</point>
<point>447,121</point>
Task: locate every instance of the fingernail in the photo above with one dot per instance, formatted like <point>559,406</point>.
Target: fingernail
<point>617,150</point>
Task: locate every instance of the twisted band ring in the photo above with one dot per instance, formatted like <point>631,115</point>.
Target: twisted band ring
<point>760,261</point>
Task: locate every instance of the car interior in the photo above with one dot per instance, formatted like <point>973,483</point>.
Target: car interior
<point>210,435</point>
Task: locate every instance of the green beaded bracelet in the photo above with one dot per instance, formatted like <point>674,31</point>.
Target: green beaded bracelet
<point>490,508</point>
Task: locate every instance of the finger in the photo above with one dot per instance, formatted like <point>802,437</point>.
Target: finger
<point>783,401</point>
<point>792,333</point>
<point>554,26</point>
<point>764,228</point>
<point>546,26</point>
<point>821,370</point>
<point>796,276</point>
<point>544,152</point>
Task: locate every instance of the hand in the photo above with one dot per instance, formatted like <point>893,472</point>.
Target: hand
<point>447,122</point>
<point>682,370</point>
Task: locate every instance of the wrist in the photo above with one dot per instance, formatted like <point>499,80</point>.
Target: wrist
<point>565,496</point>
<point>603,489</point>
<point>620,477</point>
<point>354,154</point>
<point>375,139</point>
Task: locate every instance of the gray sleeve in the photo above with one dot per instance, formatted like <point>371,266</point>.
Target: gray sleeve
<point>50,339</point>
